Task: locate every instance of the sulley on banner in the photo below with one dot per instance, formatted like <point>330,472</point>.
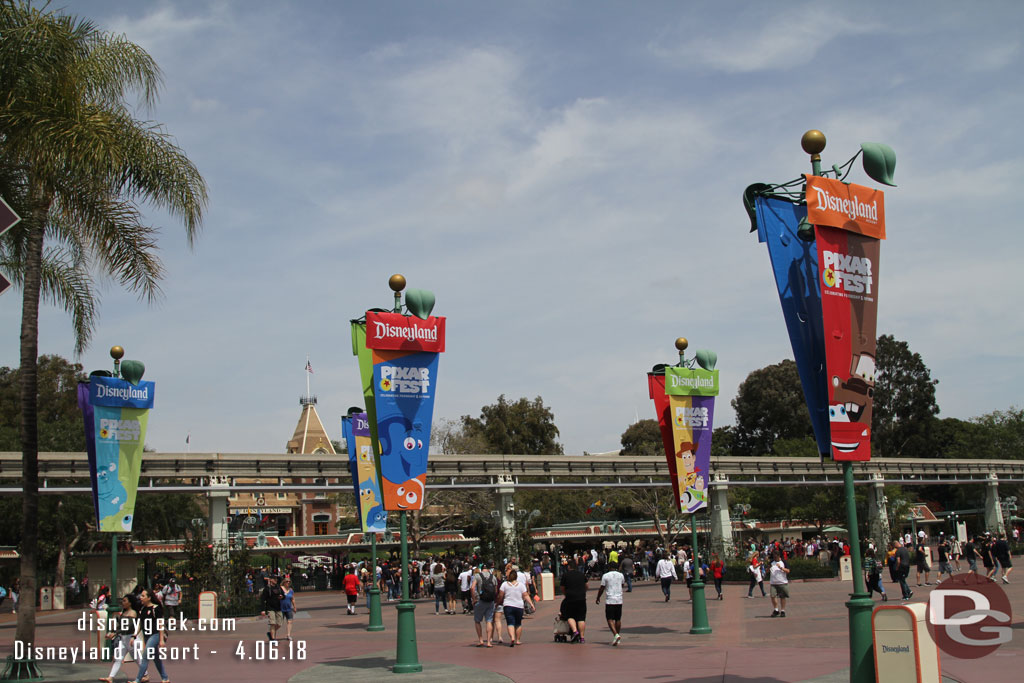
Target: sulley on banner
<point>404,386</point>
<point>116,413</point>
<point>365,478</point>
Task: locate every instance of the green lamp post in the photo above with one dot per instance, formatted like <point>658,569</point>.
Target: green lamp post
<point>699,624</point>
<point>114,603</point>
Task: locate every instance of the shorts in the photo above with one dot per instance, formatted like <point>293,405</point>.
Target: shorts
<point>288,616</point>
<point>613,612</point>
<point>574,609</point>
<point>923,567</point>
<point>483,611</point>
<point>1005,562</point>
<point>275,618</point>
<point>514,616</point>
<point>351,598</point>
<point>780,590</point>
<point>464,596</point>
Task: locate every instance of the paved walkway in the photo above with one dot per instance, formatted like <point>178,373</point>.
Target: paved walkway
<point>746,646</point>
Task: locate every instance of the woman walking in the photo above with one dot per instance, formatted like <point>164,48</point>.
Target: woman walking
<point>288,605</point>
<point>514,596</point>
<point>873,574</point>
<point>451,587</point>
<point>151,617</point>
<point>120,640</point>
<point>717,572</point>
<point>437,583</point>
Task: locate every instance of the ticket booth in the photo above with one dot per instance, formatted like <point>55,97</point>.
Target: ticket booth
<point>904,650</point>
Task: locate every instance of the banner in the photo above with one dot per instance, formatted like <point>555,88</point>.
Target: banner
<point>365,478</point>
<point>656,387</point>
<point>397,332</point>
<point>853,208</point>
<point>691,382</point>
<point>795,264</point>
<point>404,384</point>
<point>692,424</point>
<point>848,266</point>
<point>116,413</point>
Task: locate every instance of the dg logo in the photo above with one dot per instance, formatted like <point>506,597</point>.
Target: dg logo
<point>969,616</point>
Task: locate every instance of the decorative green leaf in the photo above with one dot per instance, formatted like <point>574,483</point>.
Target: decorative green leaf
<point>707,359</point>
<point>420,302</point>
<point>879,162</point>
<point>749,195</point>
<point>132,370</point>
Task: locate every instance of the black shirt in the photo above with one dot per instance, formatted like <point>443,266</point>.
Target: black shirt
<point>904,557</point>
<point>574,585</point>
<point>149,616</point>
<point>968,550</point>
<point>271,597</point>
<point>1001,549</point>
<point>943,552</point>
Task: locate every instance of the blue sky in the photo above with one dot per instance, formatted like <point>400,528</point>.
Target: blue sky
<point>566,177</point>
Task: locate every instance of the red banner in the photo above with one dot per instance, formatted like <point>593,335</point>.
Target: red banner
<point>397,332</point>
<point>848,274</point>
<point>656,385</point>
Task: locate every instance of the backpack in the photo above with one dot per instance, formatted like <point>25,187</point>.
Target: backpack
<point>3,592</point>
<point>488,591</point>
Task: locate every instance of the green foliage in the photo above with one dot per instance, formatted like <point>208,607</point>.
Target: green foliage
<point>59,418</point>
<point>521,428</point>
<point>769,406</point>
<point>904,408</point>
<point>799,568</point>
<point>723,440</point>
<point>642,438</point>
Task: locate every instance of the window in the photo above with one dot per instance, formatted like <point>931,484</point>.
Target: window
<point>320,482</point>
<point>321,524</point>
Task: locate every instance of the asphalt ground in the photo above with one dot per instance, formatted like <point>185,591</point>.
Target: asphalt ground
<point>746,645</point>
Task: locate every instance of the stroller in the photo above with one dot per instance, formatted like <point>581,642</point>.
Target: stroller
<point>561,630</point>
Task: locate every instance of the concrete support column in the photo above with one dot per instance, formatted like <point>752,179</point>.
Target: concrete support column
<point>993,511</point>
<point>878,512</point>
<point>721,524</point>
<point>507,515</point>
<point>217,520</point>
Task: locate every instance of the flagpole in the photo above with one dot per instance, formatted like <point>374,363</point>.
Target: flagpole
<point>307,376</point>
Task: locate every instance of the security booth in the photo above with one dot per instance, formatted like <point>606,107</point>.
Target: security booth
<point>904,650</point>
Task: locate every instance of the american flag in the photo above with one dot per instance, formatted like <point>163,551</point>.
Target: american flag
<point>309,368</point>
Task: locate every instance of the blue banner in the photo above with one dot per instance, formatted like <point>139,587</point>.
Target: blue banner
<point>795,263</point>
<point>117,393</point>
<point>404,386</point>
<point>369,502</point>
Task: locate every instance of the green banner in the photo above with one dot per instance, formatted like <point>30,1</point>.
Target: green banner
<point>687,382</point>
<point>365,357</point>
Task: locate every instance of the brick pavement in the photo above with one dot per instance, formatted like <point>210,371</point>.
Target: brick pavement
<point>746,645</point>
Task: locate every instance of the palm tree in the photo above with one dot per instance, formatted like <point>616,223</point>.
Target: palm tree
<point>76,165</point>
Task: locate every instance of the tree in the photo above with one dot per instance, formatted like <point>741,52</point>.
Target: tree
<point>769,406</point>
<point>904,407</point>
<point>521,428</point>
<point>75,164</point>
<point>642,438</point>
<point>59,417</point>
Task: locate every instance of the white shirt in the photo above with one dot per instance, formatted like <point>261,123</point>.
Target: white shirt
<point>779,576</point>
<point>465,579</point>
<point>513,594</point>
<point>612,582</point>
<point>664,569</point>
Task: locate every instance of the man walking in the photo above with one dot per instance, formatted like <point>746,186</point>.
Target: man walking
<point>779,580</point>
<point>665,572</point>
<point>574,606</point>
<point>271,597</point>
<point>483,591</point>
<point>350,584</point>
<point>627,571</point>
<point>1001,554</point>
<point>465,581</point>
<point>943,549</point>
<point>903,569</point>
<point>611,587</point>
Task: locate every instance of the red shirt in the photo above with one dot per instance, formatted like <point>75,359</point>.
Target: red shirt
<point>351,584</point>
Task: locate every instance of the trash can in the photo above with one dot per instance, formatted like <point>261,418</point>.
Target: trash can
<point>45,599</point>
<point>904,650</point>
<point>546,586</point>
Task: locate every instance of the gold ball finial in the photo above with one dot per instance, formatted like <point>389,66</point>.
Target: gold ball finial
<point>116,352</point>
<point>396,282</point>
<point>681,344</point>
<point>813,141</point>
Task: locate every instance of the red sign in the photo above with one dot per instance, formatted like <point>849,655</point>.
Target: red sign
<point>8,218</point>
<point>851,207</point>
<point>656,385</point>
<point>848,271</point>
<point>397,332</point>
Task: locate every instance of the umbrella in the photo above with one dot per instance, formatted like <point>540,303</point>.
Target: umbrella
<point>834,529</point>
